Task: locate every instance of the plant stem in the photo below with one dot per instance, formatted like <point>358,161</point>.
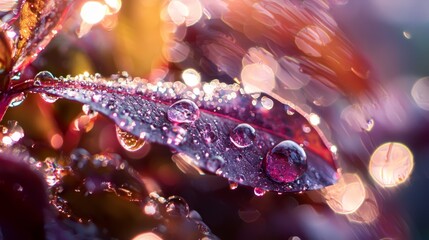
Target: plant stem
<point>4,104</point>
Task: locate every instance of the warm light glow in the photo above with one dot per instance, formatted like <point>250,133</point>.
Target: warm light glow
<point>257,76</point>
<point>347,195</point>
<point>178,12</point>
<point>311,40</point>
<point>407,35</point>
<point>191,77</point>
<point>391,164</point>
<point>114,5</point>
<point>93,12</point>
<point>420,93</point>
<point>186,164</point>
<point>334,149</point>
<point>150,209</point>
<point>368,211</point>
<point>186,12</point>
<point>7,5</point>
<point>267,103</point>
<point>7,141</point>
<point>314,119</point>
<point>57,141</point>
<point>16,136</point>
<point>147,236</point>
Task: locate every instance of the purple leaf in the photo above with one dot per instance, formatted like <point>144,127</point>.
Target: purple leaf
<point>39,21</point>
<point>203,124</point>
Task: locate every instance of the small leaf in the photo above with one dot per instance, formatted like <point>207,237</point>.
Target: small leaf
<point>207,125</point>
<point>38,23</point>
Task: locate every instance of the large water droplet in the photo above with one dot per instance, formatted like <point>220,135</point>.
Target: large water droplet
<point>286,162</point>
<point>176,207</point>
<point>42,76</point>
<point>243,135</point>
<point>16,101</point>
<point>128,141</point>
<point>183,111</point>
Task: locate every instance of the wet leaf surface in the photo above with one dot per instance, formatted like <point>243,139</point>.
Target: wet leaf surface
<point>156,112</point>
<point>38,23</point>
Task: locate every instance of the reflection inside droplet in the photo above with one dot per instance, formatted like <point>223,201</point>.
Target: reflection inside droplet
<point>286,162</point>
<point>183,111</point>
<point>128,141</point>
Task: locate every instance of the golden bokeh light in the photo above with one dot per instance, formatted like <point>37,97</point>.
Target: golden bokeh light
<point>147,236</point>
<point>347,195</point>
<point>368,211</point>
<point>93,12</point>
<point>191,77</point>
<point>391,164</point>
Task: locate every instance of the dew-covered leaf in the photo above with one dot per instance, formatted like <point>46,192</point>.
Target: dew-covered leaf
<point>38,22</point>
<point>224,131</point>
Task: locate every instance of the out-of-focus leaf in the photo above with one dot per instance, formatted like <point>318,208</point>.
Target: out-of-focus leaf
<point>298,40</point>
<point>38,23</point>
<point>156,113</point>
<point>23,200</point>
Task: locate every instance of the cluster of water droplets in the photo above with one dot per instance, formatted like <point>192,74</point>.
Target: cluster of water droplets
<point>82,175</point>
<point>175,212</point>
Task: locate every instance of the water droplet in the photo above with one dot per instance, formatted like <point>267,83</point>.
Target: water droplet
<point>88,111</point>
<point>49,98</point>
<point>42,76</point>
<point>286,162</point>
<point>183,111</point>
<point>151,208</point>
<point>369,125</point>
<point>16,101</point>
<point>267,103</point>
<point>215,163</point>
<point>243,135</point>
<point>128,141</point>
<point>289,110</point>
<point>191,77</point>
<point>233,185</point>
<point>259,192</point>
<point>176,207</point>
